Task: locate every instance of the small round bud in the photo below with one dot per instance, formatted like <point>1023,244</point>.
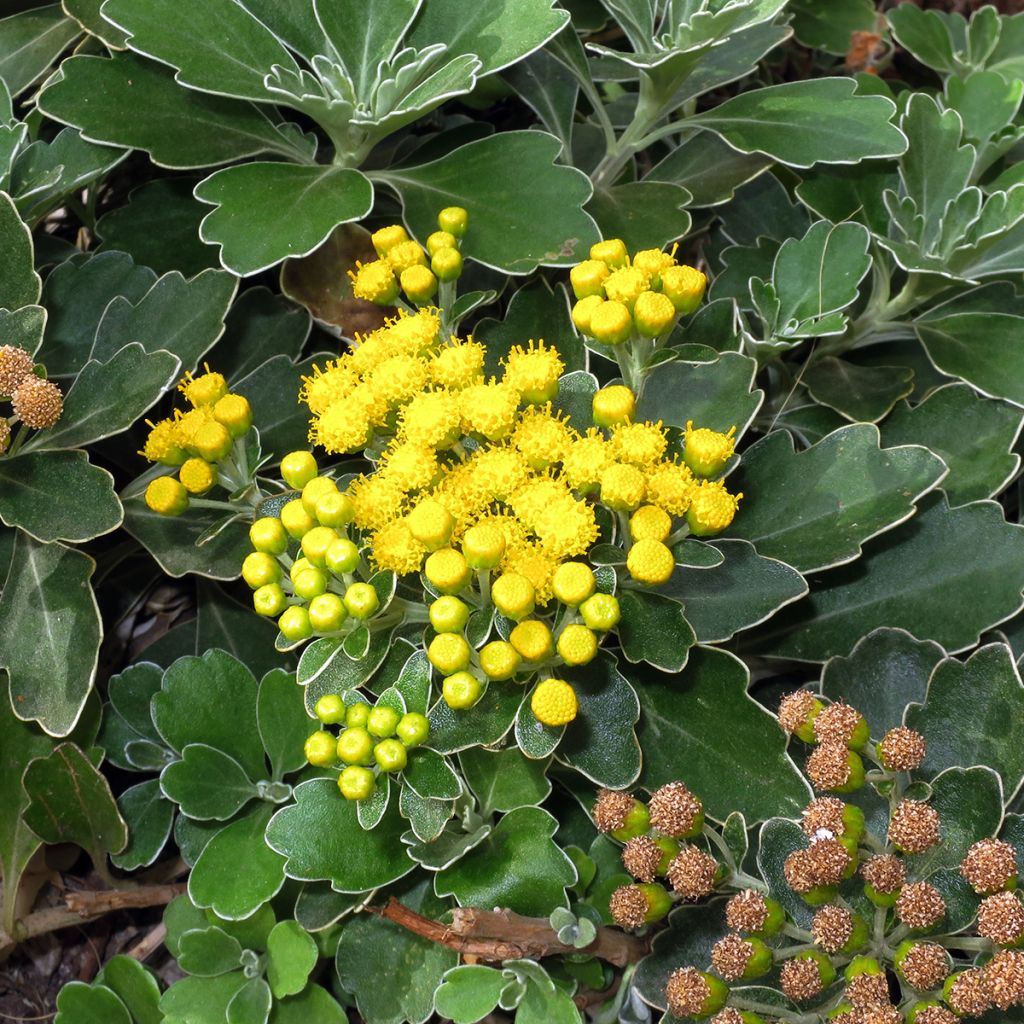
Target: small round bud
<point>298,468</point>
<point>920,906</point>
<point>327,613</point>
<point>990,866</point>
<point>382,721</point>
<point>902,750</point>
<point>357,715</point>
<point>654,314</point>
<point>315,544</point>
<point>330,709</point>
<point>735,958</point>
<point>676,812</point>
<point>499,660</point>
<point>650,523</point>
<point>37,403</point>
<point>620,815</point>
<point>622,487</point>
<point>750,911</point>
<point>1001,919</point>
<point>342,556</point>
<point>1004,979</point>
<point>166,496</point>
<point>613,406</point>
<point>806,976</point>
<point>420,283</point>
<point>355,746</point>
<point>448,614</point>
<point>259,569</point>
<point>611,251</point>
<point>461,690</point>
<point>387,238</point>
<point>294,624</point>
<point>413,728</point>
<point>334,509</point>
<point>15,366</point>
<point>645,858</point>
<point>268,534</point>
<point>554,703</point>
<point>923,965</point>
<point>319,749</point>
<point>914,827</point>
<point>650,562</point>
<point>213,441</point>
<point>197,476</point>
<point>295,519</point>
<point>841,724</point>
<point>587,279</point>
<point>269,600</point>
<point>483,546</point>
<point>234,413</point>
<point>797,713</point>
<point>391,755</point>
<point>601,612</point>
<point>454,220</point>
<point>317,488</point>
<point>361,600</point>
<point>532,640</point>
<point>684,286</point>
<point>692,873</point>
<point>583,311</point>
<point>309,583</point>
<point>447,570</point>
<point>633,906</point>
<point>513,595</point>
<point>446,264</point>
<point>356,783</point>
<point>577,644</point>
<point>707,452</point>
<point>438,240</point>
<point>610,323</point>
<point>449,653</point>
<point>966,993</point>
<point>712,509</point>
<point>693,993</point>
<point>431,524</point>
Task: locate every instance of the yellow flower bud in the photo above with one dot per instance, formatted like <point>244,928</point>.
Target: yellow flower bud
<point>651,562</point>
<point>573,583</point>
<point>532,639</point>
<point>235,413</point>
<point>587,278</point>
<point>554,703</point>
<point>449,653</point>
<point>513,595</point>
<point>454,220</point>
<point>577,645</point>
<point>197,476</point>
<point>314,490</point>
<point>611,323</point>
<point>613,405</point>
<point>622,487</point>
<point>298,468</point>
<point>167,496</point>
<point>653,314</point>
<point>419,283</point>
<point>685,286</point>
<point>650,523</point>
<point>405,255</point>
<point>334,509</point>
<point>431,524</point>
<point>387,238</point>
<point>499,660</point>
<point>707,451</point>
<point>213,441</point>
<point>583,312</point>
<point>652,262</point>
<point>611,251</point>
<point>483,546</point>
<point>268,534</point>
<point>205,389</point>
<point>712,509</point>
<point>447,570</point>
<point>295,519</point>
<point>626,285</point>
<point>438,240</point>
<point>446,264</point>
<point>315,543</point>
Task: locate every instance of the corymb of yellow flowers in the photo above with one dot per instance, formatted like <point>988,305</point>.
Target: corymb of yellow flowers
<point>483,496</point>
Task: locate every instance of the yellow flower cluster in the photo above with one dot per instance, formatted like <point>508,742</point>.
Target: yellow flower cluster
<point>198,443</point>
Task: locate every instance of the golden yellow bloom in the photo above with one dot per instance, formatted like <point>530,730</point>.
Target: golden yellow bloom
<point>205,389</point>
<point>670,486</point>
<point>398,378</point>
<point>613,405</point>
<point>585,461</point>
<point>387,238</point>
<point>458,365</point>
<point>197,476</point>
<point>625,285</point>
<point>534,372</point>
<point>707,451</point>
<point>431,524</point>
<point>652,262</point>
<point>537,494</point>
<point>431,418</point>
<point>611,251</point>
<point>448,570</point>
<point>162,444</point>
<point>650,523</point>
<point>498,471</point>
<point>374,282</point>
<point>188,424</point>
<point>532,640</point>
<point>412,466</point>
<point>653,314</point>
<point>395,548</point>
<point>573,582</point>
<point>577,645</point>
<point>685,286</point>
<point>376,501</point>
<point>584,310</point>
<point>489,409</point>
<point>406,254</point>
<point>712,509</point>
<point>332,384</point>
<point>413,333</point>
<point>342,427</point>
<point>543,438</point>
<point>567,528</point>
<point>622,487</point>
<point>639,444</point>
<point>554,703</point>
<point>651,562</point>
<point>533,563</point>
<point>166,496</point>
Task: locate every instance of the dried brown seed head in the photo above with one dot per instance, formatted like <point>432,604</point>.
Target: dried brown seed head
<point>836,723</point>
<point>801,980</point>
<point>675,811</point>
<point>968,996</point>
<point>925,965</point>
<point>692,873</point>
<point>823,814</point>
<point>920,905</point>
<point>746,911</point>
<point>885,873</point>
<point>936,1015</point>
<point>796,709</point>
<point>902,749</point>
<point>37,403</point>
<point>990,865</point>
<point>881,1015</point>
<point>798,872</point>
<point>727,1016</point>
<point>914,826</point>
<point>828,767</point>
<point>1001,918</point>
<point>1004,978</point>
<point>5,434</point>
<point>15,365</point>
<point>832,927</point>
<point>730,956</point>
<point>641,857</point>
<point>610,810</point>
<point>686,992</point>
<point>848,1017</point>
<point>828,860</point>
<point>629,906</point>
<point>867,990</point>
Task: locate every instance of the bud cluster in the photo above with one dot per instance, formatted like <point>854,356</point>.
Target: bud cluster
<point>36,403</point>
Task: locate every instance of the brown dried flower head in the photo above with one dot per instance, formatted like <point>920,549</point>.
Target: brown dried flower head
<point>866,990</point>
<point>925,965</point>
<point>611,809</point>
<point>15,365</point>
<point>914,826</point>
<point>828,860</point>
<point>849,1017</point>
<point>5,434</point>
<point>1004,978</point>
<point>968,996</point>
<point>730,956</point>
<point>823,814</point>
<point>801,980</point>
<point>832,927</point>
<point>798,872</point>
<point>796,709</point>
<point>641,857</point>
<point>629,906</point>
<point>686,992</point>
<point>675,811</point>
<point>828,767</point>
<point>920,905</point>
<point>836,723</point>
<point>885,873</point>
<point>727,1016</point>
<point>746,911</point>
<point>990,865</point>
<point>1001,918</point>
<point>881,1015</point>
<point>37,403</point>
<point>692,873</point>
<point>936,1015</point>
<point>902,749</point>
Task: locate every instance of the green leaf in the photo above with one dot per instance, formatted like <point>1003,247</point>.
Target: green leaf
<point>654,629</point>
<point>216,45</point>
<point>742,590</point>
<point>970,805</point>
<point>325,668</point>
<point>850,193</point>
<point>708,168</point>
<point>924,34</point>
<point>807,122</point>
<point>216,880</point>
<point>644,214</point>
<point>831,27</point>
<point>430,775</point>
<point>920,577</point>
<point>469,993</point>
<point>492,717</point>
<point>703,728</point>
<point>108,397</point>
<point>20,285</point>
<point>282,721</point>
<point>887,670</point>
<point>518,866</point>
<point>860,393</point>
<point>393,972</point>
<point>52,624</point>
<point>291,956</point>
<point>777,839</point>
<point>499,33</point>
<point>225,623</point>
<point>352,859</point>
<point>136,987</point>
<point>78,1003</point>
<point>547,85</point>
<point>491,178</point>
<point>313,1003</point>
<point>295,209</point>
<point>547,1005</point>
<point>207,783</point>
<point>201,1000</point>
<point>251,1003</point>
<point>36,491</point>
<point>815,508</point>
<point>260,324</point>
<point>87,14</point>
<point>149,818</point>
<point>30,41</point>
<point>159,227</point>
<point>70,802</point>
<point>503,780</point>
<point>128,101</point>
<point>23,327</point>
<point>967,717</point>
<point>211,700</point>
<point>718,395</point>
<point>974,436</point>
<point>209,952</point>
<point>601,743</point>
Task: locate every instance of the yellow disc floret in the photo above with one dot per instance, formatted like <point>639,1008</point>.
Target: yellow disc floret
<point>532,640</point>
<point>707,451</point>
<point>651,562</point>
<point>613,405</point>
<point>431,524</point>
<point>205,389</point>
<point>395,548</point>
<point>685,286</point>
<point>489,409</point>
<point>622,487</point>
<point>554,703</point>
<point>639,444</point>
<point>670,486</point>
<point>534,372</point>
<point>162,444</point>
<point>712,509</point>
<point>447,570</point>
<point>197,476</point>
<point>650,523</point>
<point>432,419</point>
<point>458,365</point>
<point>577,644</point>
<point>573,583</point>
<point>166,496</point>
